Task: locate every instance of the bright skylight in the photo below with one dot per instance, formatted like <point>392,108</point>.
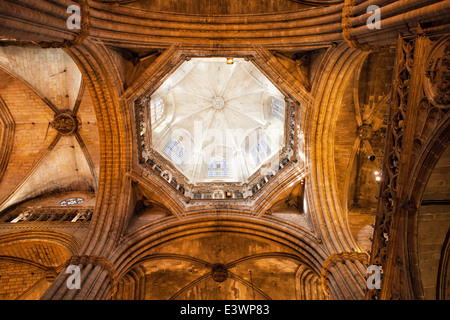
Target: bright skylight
<point>205,113</point>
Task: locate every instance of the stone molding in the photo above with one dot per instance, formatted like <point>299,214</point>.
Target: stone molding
<point>341,257</point>
<point>347,30</point>
<point>80,36</point>
<point>96,261</point>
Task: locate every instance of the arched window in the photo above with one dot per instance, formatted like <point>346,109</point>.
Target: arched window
<point>218,168</point>
<point>175,150</point>
<point>71,202</point>
<point>156,109</point>
<point>278,108</point>
<point>260,150</point>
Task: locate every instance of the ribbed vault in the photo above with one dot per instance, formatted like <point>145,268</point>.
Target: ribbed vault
<point>221,116</point>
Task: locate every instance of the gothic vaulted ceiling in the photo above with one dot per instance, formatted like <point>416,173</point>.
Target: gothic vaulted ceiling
<point>54,139</point>
<point>197,149</point>
<point>221,118</point>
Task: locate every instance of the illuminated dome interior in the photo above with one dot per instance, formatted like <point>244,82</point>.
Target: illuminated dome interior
<point>217,121</point>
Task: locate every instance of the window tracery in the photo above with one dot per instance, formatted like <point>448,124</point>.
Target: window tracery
<point>175,151</point>
<point>156,109</point>
<point>218,168</point>
<point>71,202</point>
<point>260,150</point>
<point>278,108</point>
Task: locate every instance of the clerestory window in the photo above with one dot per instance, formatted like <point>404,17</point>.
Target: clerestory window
<point>71,202</point>
<point>175,151</point>
<point>156,109</point>
<point>260,151</point>
<point>218,168</point>
<point>278,108</point>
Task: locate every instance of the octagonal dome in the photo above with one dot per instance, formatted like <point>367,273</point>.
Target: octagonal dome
<point>217,121</point>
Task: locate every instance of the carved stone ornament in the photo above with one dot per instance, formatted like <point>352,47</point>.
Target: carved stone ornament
<point>65,124</point>
<point>219,272</point>
<point>347,30</point>
<point>365,132</point>
<point>437,83</point>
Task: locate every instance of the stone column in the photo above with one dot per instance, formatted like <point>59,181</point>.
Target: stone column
<point>98,280</point>
<point>92,270</point>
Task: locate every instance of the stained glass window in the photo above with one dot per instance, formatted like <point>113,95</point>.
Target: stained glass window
<point>218,168</point>
<point>156,109</point>
<point>278,108</point>
<point>71,202</point>
<point>260,151</point>
<point>175,150</point>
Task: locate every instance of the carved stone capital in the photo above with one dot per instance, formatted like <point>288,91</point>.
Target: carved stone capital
<point>343,257</point>
<point>340,257</point>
